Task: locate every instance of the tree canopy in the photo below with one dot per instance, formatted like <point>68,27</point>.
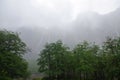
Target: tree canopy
<point>52,58</point>
<point>86,61</point>
<point>12,49</point>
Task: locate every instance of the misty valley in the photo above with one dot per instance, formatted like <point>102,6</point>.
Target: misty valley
<point>59,39</point>
<point>57,61</point>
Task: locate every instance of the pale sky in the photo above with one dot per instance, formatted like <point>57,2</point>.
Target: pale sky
<point>78,6</point>
<point>50,12</point>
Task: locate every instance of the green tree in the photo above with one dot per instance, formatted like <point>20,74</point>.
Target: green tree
<point>111,49</point>
<point>12,48</point>
<point>85,59</point>
<point>85,62</point>
<point>51,61</point>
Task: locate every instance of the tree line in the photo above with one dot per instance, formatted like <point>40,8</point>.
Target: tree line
<point>86,61</point>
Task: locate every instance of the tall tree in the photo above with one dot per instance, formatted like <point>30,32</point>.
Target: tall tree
<point>85,59</point>
<point>12,49</point>
<point>112,53</point>
<point>51,60</point>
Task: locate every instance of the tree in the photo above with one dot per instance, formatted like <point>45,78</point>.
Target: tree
<point>85,62</point>
<point>111,49</point>
<point>85,59</point>
<point>12,49</point>
<point>51,61</point>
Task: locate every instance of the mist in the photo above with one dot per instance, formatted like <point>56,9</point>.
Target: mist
<point>49,13</point>
<point>72,21</point>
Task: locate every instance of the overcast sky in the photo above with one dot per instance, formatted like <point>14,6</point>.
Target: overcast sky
<point>48,13</point>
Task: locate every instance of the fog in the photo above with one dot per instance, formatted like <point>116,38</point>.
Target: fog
<point>49,13</point>
<point>72,21</point>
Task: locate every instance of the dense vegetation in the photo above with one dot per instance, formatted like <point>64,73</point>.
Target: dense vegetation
<point>85,62</point>
<point>12,49</point>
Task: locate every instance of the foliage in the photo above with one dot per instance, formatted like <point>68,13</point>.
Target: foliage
<point>5,78</point>
<point>112,54</point>
<point>85,62</point>
<point>37,79</point>
<point>12,49</point>
<point>51,59</point>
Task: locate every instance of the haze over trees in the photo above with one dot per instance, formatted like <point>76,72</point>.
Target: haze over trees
<point>86,61</point>
<point>92,27</point>
<point>12,63</point>
<point>37,28</point>
<point>68,21</point>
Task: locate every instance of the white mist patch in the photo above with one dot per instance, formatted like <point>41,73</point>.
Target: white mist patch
<point>50,13</point>
<point>78,6</point>
<point>67,11</point>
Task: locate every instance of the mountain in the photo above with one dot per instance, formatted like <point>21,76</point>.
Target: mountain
<point>89,26</point>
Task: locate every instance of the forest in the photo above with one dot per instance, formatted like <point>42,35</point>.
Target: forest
<point>57,61</point>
